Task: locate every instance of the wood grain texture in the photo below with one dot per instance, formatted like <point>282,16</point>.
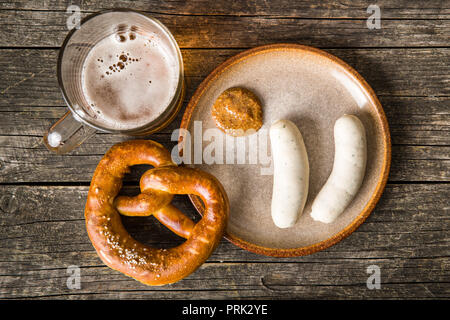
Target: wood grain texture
<point>25,159</point>
<point>401,237</point>
<point>412,120</point>
<point>28,77</point>
<point>434,9</point>
<point>49,28</point>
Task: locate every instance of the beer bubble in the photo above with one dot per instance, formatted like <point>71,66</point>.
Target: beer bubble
<point>121,37</point>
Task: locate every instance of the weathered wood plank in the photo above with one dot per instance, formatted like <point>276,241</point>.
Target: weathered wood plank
<point>412,120</point>
<point>25,159</point>
<point>434,9</point>
<point>407,236</point>
<point>49,28</point>
<point>28,77</point>
<point>418,120</point>
<point>418,279</point>
<point>406,212</point>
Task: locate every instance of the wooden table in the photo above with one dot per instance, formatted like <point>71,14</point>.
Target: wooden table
<point>42,198</point>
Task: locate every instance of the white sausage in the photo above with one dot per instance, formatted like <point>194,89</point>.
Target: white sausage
<point>349,166</point>
<point>291,173</point>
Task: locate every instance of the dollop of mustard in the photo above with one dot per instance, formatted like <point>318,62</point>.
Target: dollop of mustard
<point>236,111</point>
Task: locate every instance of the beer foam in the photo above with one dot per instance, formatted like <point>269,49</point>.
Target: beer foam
<point>128,80</point>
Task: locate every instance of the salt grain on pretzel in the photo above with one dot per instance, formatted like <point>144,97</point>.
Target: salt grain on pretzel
<point>117,248</point>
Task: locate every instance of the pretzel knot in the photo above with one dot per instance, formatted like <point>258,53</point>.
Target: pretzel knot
<point>115,246</point>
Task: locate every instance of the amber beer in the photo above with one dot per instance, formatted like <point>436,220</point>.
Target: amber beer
<point>128,79</point>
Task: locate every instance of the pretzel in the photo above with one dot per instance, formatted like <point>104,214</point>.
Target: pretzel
<point>113,243</point>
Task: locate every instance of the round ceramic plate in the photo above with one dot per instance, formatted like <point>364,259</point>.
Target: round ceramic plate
<point>313,89</point>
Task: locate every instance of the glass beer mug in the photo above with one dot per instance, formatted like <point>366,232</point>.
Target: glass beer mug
<point>165,93</point>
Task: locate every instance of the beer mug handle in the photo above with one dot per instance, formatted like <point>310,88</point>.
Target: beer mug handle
<point>67,134</point>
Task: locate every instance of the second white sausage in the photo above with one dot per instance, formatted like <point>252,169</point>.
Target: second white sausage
<point>349,167</point>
